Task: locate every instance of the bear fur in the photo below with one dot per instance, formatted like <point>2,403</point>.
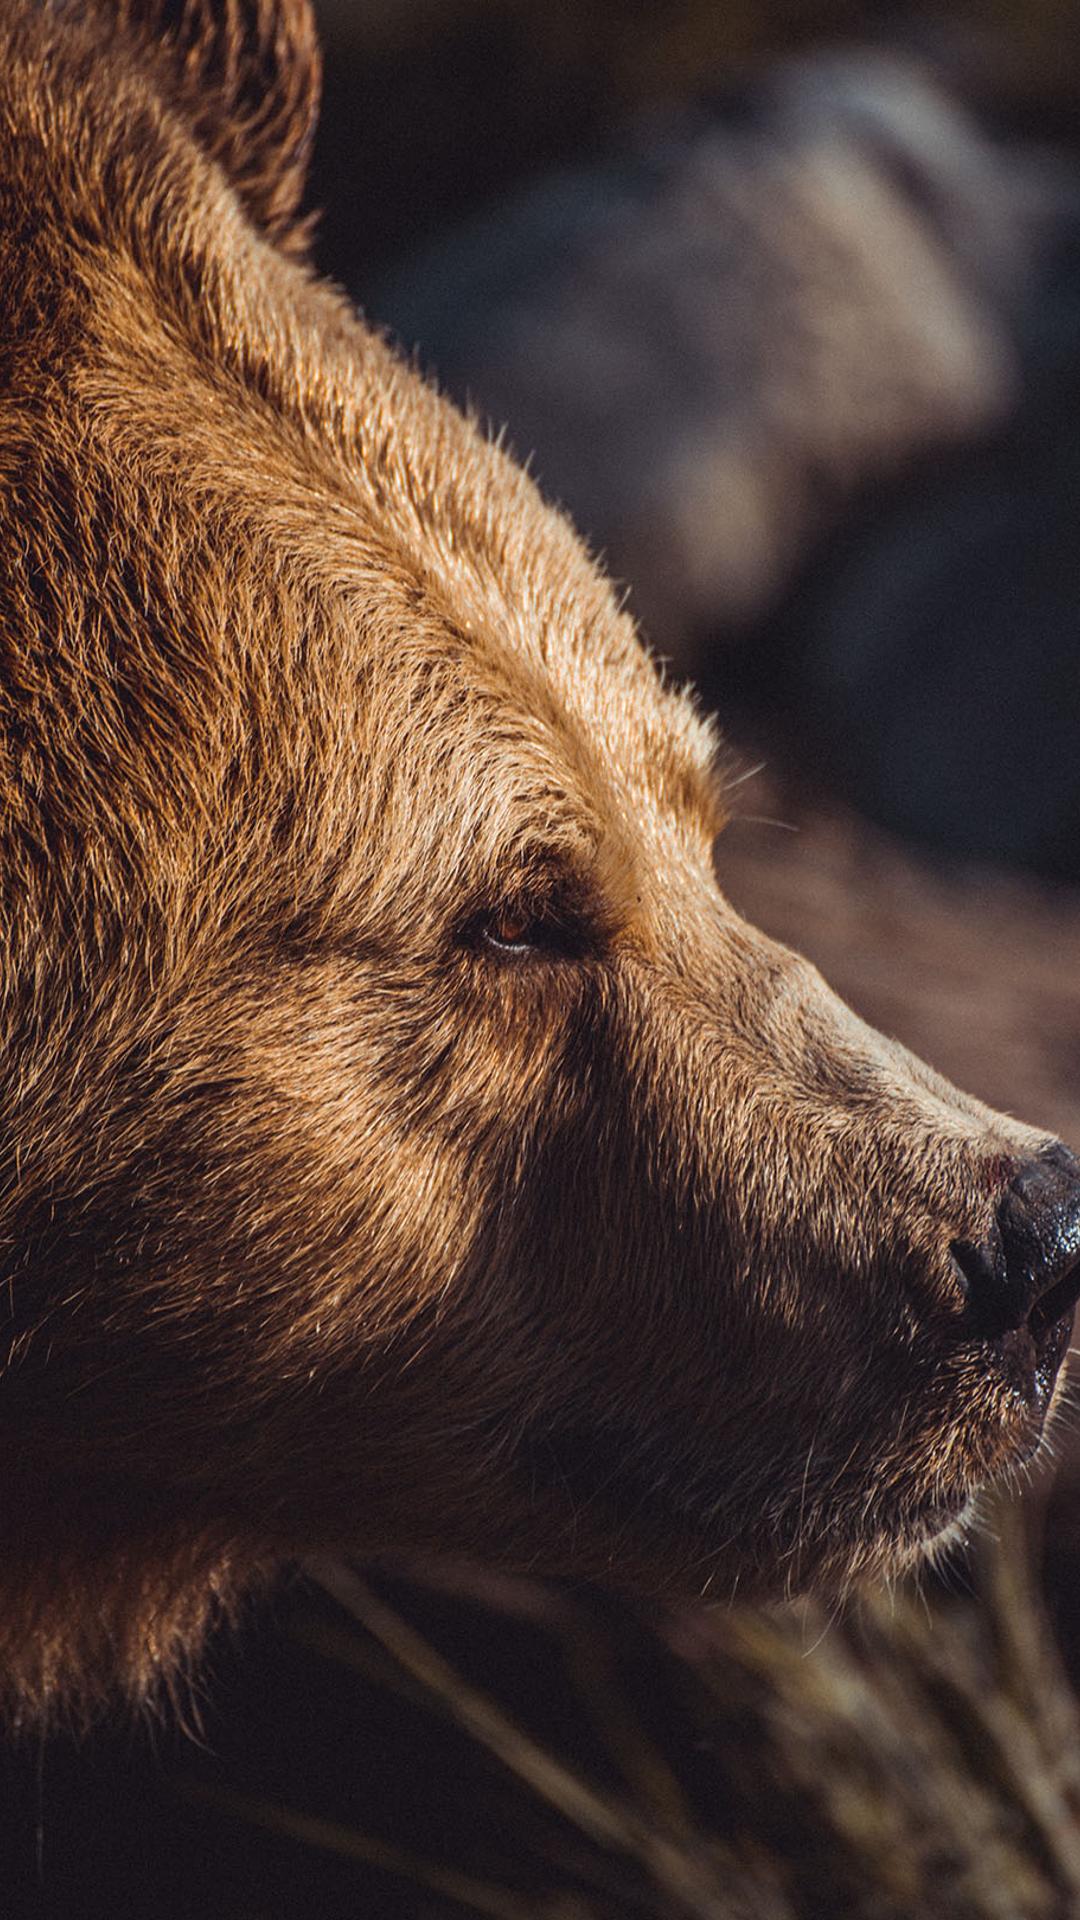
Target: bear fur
<point>406,1147</point>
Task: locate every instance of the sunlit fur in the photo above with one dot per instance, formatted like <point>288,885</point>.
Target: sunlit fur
<point>326,1224</point>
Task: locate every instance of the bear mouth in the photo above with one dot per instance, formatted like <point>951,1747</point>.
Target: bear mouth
<point>1030,1358</point>
<point>635,1491</point>
<point>1054,1311</point>
<point>1050,1326</point>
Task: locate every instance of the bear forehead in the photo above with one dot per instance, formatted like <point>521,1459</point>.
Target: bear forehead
<point>193,421</point>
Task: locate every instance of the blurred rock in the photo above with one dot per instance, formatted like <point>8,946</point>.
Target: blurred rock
<point>804,365</point>
<point>708,345</point>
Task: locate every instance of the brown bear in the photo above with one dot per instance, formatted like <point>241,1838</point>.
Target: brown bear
<point>406,1146</point>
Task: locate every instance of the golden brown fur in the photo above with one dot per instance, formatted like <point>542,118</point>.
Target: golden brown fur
<point>329,1223</point>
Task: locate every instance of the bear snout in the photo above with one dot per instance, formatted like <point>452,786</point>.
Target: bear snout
<point>1021,1282</point>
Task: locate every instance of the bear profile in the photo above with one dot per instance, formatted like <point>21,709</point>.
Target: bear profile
<point>407,1147</point>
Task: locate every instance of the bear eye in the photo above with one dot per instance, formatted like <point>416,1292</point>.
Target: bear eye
<point>550,926</point>
<point>552,921</point>
<point>514,930</point>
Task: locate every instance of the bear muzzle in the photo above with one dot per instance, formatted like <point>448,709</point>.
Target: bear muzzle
<point>1021,1283</point>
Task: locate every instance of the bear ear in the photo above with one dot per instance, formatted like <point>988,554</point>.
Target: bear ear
<point>247,75</point>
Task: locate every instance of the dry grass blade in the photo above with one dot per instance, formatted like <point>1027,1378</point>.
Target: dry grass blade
<point>684,1875</point>
<point>592,1665</point>
<point>330,1836</point>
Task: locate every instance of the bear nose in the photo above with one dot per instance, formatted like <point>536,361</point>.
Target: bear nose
<point>1026,1273</point>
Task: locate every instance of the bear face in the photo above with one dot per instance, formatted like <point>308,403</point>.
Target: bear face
<point>409,1148</point>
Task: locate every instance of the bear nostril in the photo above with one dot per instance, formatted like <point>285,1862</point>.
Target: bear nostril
<point>988,1304</point>
<point>1027,1270</point>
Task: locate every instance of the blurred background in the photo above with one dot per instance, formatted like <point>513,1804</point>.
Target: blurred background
<point>782,301</point>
